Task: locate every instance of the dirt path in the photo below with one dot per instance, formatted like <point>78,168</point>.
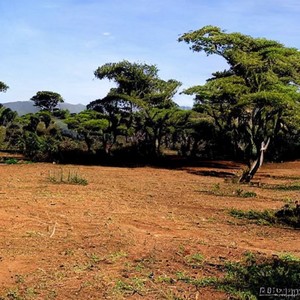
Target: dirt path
<point>130,230</point>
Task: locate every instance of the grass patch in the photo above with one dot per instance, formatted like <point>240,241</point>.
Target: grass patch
<point>266,217</point>
<point>229,191</point>
<point>67,177</point>
<point>284,187</point>
<point>288,215</point>
<point>11,161</point>
<point>130,286</point>
<point>256,277</point>
<point>194,260</point>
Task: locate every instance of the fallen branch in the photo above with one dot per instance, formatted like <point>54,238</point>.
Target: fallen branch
<point>53,231</point>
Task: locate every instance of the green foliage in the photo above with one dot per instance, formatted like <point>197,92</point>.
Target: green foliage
<point>11,161</point>
<point>7,116</point>
<point>256,98</point>
<point>3,87</point>
<point>288,215</point>
<point>254,274</point>
<point>266,217</point>
<point>194,260</point>
<point>47,100</point>
<point>245,194</point>
<point>69,177</point>
<point>285,187</point>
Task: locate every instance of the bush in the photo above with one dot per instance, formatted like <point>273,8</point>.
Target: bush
<point>69,177</point>
<point>11,161</point>
<point>287,215</point>
<point>255,275</point>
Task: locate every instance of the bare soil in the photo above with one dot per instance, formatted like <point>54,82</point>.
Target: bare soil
<point>132,233</point>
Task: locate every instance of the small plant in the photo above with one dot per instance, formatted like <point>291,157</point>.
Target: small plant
<point>70,178</point>
<point>249,195</point>
<point>116,256</point>
<point>165,279</point>
<point>131,286</point>
<point>11,161</point>
<point>264,217</point>
<point>244,194</point>
<point>285,187</point>
<point>194,260</point>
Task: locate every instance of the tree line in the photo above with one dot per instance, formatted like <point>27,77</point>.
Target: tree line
<point>240,113</point>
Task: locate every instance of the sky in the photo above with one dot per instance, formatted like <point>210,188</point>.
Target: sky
<point>56,45</point>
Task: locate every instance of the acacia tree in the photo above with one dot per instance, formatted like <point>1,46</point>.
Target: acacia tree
<point>139,91</point>
<point>254,99</point>
<point>3,87</point>
<point>47,100</point>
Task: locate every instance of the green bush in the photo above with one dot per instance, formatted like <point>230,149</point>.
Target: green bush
<point>288,215</point>
<point>11,161</point>
<point>253,275</point>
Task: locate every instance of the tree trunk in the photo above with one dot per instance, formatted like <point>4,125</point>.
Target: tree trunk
<point>247,176</point>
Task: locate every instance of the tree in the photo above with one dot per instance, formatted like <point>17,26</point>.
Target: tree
<point>139,90</point>
<point>255,98</point>
<point>3,87</point>
<point>6,115</point>
<point>47,100</point>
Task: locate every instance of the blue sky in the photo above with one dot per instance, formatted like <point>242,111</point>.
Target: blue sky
<point>57,45</point>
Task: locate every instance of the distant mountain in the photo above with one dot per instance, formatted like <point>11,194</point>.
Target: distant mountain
<point>185,107</point>
<point>26,107</point>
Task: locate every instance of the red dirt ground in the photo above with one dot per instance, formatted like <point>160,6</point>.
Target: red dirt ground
<point>131,232</point>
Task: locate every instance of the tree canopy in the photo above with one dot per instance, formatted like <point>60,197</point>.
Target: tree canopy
<point>3,87</point>
<point>138,86</point>
<point>47,100</point>
<point>239,113</point>
<point>256,96</point>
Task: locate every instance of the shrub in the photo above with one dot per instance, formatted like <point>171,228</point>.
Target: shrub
<point>70,177</point>
<point>11,161</point>
<point>254,275</point>
<point>288,215</point>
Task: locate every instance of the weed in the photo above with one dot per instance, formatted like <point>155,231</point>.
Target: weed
<point>229,191</point>
<point>249,195</point>
<point>207,281</point>
<point>11,161</point>
<point>244,194</point>
<point>183,277</point>
<point>253,275</point>
<point>194,260</point>
<point>70,178</point>
<point>265,217</point>
<point>216,187</point>
<point>30,293</point>
<point>12,294</point>
<point>116,256</point>
<point>132,286</point>
<point>289,257</point>
<point>139,267</point>
<point>288,215</point>
<point>285,187</point>
<point>95,259</point>
<point>165,279</point>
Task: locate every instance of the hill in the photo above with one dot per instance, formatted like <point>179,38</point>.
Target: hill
<point>25,107</point>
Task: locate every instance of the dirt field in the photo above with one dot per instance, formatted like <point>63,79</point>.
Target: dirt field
<point>131,232</point>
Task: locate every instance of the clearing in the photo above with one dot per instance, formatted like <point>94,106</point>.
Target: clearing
<point>132,233</point>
